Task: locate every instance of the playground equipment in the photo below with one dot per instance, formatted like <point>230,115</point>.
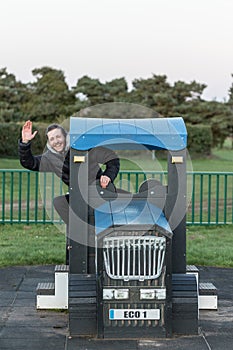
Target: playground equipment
<point>123,257</point>
<point>127,252</point>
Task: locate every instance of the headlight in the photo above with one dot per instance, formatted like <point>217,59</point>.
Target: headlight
<point>115,294</point>
<point>158,294</point>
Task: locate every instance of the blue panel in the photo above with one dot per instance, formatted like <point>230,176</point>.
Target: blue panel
<point>127,127</point>
<point>160,126</point>
<point>103,218</point>
<point>77,129</point>
<point>118,212</point>
<point>175,124</point>
<point>157,133</point>
<point>94,125</point>
<point>159,217</point>
<point>135,212</point>
<point>145,126</point>
<point>78,126</point>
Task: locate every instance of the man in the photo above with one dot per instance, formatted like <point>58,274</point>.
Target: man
<point>56,159</point>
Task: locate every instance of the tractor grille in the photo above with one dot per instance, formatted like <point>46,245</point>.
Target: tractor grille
<point>134,258</point>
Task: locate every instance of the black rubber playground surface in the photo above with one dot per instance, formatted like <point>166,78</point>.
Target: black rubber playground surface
<point>22,327</point>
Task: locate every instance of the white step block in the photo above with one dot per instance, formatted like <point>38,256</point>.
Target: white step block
<point>57,293</point>
<point>207,298</point>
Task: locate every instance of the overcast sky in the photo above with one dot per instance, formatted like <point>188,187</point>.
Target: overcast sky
<point>107,39</point>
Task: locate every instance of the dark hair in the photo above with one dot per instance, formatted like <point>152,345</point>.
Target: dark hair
<point>55,126</point>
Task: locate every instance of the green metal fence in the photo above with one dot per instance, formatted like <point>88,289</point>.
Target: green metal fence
<point>27,197</point>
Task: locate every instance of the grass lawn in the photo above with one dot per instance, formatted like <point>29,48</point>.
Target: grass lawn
<point>31,245</point>
<point>10,163</point>
<point>45,244</point>
<point>210,245</point>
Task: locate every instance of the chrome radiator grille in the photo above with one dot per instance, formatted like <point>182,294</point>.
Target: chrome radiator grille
<point>134,258</point>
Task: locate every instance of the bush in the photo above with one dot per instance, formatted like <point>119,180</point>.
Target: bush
<point>199,139</point>
<point>11,133</point>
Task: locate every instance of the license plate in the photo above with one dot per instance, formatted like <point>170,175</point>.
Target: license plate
<point>134,314</point>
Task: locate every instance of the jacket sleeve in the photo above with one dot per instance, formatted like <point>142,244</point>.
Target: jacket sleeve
<point>111,162</point>
<point>27,160</point>
<point>112,168</point>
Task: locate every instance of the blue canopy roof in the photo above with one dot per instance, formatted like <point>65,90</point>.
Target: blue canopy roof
<point>153,133</point>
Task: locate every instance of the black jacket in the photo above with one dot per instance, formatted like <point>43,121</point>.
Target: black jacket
<point>51,161</point>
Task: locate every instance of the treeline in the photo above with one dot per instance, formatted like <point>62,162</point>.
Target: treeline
<point>49,98</point>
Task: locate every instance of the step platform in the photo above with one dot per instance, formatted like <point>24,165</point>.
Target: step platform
<point>54,295</point>
<point>207,292</point>
<point>208,298</point>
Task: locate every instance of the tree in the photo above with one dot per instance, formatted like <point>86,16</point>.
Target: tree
<point>160,95</point>
<point>183,92</point>
<point>12,96</point>
<point>153,92</point>
<point>195,110</point>
<point>50,97</point>
<point>116,90</point>
<point>213,113</point>
<point>91,89</point>
<point>98,93</point>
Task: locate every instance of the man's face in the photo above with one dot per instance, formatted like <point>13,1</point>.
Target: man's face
<point>56,140</point>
